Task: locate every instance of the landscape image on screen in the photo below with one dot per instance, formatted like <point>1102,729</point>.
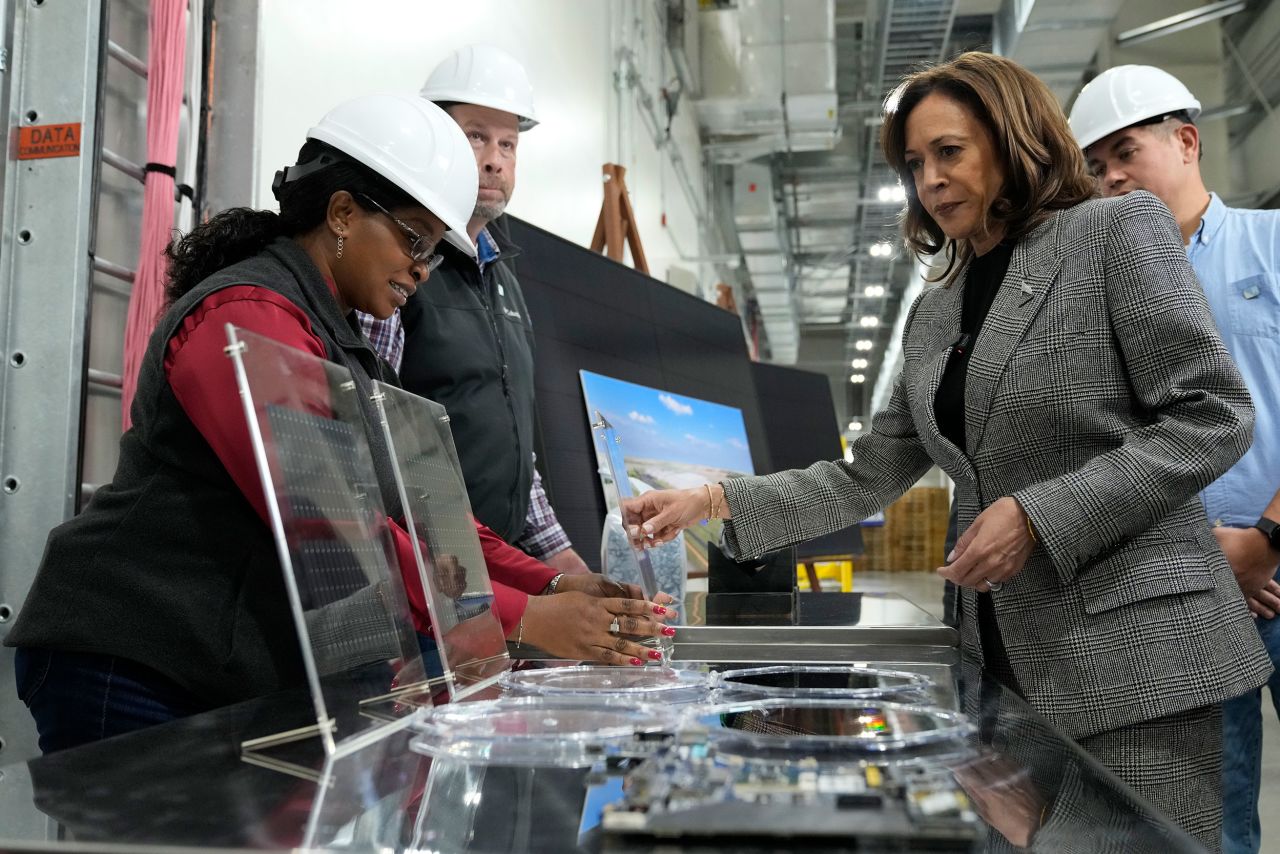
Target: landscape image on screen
<point>669,441</point>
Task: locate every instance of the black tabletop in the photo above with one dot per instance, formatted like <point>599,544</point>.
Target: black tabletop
<point>186,784</point>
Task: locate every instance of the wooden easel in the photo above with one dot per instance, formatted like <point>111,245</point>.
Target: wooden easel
<point>617,220</point>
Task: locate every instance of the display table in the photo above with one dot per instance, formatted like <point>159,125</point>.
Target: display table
<point>185,785</point>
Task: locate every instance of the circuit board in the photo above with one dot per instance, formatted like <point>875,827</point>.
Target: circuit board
<point>694,791</point>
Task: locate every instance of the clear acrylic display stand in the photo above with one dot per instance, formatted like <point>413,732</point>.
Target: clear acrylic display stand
<point>469,637</point>
<point>616,467</point>
<point>324,506</point>
<point>809,727</point>
<point>510,774</point>
<point>459,594</point>
<point>552,732</point>
<point>823,682</point>
<point>611,684</point>
<point>364,791</point>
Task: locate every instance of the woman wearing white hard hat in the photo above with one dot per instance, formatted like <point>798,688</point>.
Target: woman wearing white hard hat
<point>165,596</point>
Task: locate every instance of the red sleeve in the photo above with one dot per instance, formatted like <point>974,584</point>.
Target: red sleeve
<point>512,566</point>
<point>508,603</point>
<point>204,381</point>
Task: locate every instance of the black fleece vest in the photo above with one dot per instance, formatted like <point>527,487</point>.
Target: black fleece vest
<point>169,565</point>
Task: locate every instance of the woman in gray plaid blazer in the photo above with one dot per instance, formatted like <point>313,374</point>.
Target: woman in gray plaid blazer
<point>1094,404</point>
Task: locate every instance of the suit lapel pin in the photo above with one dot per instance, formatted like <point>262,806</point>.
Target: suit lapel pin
<point>1027,295</point>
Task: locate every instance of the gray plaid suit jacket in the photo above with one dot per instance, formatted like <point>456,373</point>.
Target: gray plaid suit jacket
<point>1100,396</point>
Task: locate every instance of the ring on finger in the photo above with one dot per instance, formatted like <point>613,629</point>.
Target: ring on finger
<point>614,627</point>
<point>994,586</point>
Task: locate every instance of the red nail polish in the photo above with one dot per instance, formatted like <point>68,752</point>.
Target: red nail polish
<point>658,609</point>
<point>635,662</point>
<point>655,655</point>
<point>669,631</point>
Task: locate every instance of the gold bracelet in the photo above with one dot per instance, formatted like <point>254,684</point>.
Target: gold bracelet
<point>715,510</point>
<point>710,506</point>
<point>1032,531</point>
<point>520,632</point>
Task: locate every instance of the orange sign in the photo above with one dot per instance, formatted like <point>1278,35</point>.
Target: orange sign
<point>37,142</point>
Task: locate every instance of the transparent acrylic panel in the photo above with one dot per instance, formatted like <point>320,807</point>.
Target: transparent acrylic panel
<point>563,732</point>
<point>472,808</point>
<point>810,725</point>
<point>365,790</point>
<point>469,637</point>
<point>332,533</point>
<point>824,681</point>
<point>611,450</point>
<point>611,684</point>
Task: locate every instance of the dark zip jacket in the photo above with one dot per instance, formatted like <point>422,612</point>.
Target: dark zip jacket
<point>469,346</point>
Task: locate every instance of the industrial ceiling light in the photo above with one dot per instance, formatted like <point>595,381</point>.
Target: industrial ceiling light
<point>859,363</point>
<point>1182,21</point>
<point>892,193</point>
<point>869,321</point>
<point>883,249</point>
<point>873,291</point>
<point>862,344</point>
<point>855,426</point>
<point>857,378</point>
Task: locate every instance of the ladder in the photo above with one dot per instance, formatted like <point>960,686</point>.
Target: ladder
<point>75,91</point>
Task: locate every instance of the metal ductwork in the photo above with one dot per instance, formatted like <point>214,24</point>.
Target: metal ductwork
<point>1055,39</point>
<point>768,79</point>
<point>755,214</point>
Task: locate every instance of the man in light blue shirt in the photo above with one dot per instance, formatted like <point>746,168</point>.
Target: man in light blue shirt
<point>1136,126</point>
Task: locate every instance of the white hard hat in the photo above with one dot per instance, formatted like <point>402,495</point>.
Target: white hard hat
<point>486,76</point>
<point>1126,95</point>
<point>416,146</point>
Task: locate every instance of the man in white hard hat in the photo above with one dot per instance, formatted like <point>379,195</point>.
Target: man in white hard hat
<point>1136,125</point>
<point>466,341</point>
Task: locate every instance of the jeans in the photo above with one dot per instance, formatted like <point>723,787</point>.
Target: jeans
<point>77,698</point>
<point>1242,754</point>
<point>431,656</point>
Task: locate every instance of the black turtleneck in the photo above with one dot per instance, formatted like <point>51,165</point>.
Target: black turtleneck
<point>981,282</point>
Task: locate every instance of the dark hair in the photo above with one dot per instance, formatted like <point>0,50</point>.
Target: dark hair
<point>1044,169</point>
<point>238,233</point>
<point>1166,125</point>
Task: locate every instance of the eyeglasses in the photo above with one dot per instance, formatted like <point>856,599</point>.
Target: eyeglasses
<point>420,246</point>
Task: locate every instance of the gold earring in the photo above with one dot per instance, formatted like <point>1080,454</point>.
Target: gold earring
<point>339,245</point>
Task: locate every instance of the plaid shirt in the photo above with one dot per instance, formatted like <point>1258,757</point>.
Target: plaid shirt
<point>543,535</point>
<point>386,336</point>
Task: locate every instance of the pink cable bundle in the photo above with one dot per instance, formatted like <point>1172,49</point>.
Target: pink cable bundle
<point>166,62</point>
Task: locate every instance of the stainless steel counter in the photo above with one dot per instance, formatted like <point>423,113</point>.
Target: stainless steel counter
<point>812,628</point>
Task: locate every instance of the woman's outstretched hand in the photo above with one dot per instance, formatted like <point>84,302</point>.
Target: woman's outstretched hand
<point>657,517</point>
<point>582,627</point>
<point>595,584</point>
